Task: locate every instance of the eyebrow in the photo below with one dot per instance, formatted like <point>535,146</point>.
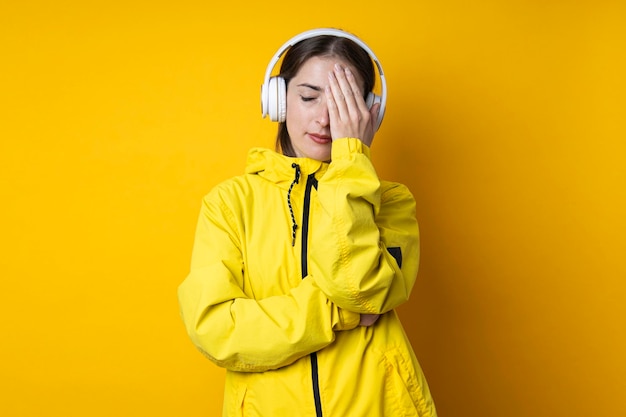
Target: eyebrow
<point>313,87</point>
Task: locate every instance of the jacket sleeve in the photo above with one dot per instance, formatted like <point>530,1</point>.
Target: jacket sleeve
<point>236,331</point>
<point>366,251</point>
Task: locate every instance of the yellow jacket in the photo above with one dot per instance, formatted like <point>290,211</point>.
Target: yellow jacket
<point>286,258</point>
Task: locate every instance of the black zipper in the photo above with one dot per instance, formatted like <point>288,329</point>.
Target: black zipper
<point>310,183</point>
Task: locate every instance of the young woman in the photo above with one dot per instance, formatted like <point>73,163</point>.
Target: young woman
<point>299,263</point>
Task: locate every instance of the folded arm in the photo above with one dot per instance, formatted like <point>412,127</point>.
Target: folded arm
<point>365,253</point>
<point>237,331</point>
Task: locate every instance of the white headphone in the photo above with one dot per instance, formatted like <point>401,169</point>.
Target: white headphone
<point>274,89</point>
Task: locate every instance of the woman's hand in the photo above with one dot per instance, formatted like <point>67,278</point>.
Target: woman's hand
<point>348,113</point>
<point>368,319</point>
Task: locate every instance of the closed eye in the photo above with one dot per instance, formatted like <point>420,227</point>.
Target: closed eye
<point>305,89</point>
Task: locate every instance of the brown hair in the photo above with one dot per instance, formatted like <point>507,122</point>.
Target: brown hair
<point>323,45</point>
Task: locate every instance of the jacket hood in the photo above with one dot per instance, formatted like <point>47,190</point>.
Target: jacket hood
<point>278,168</point>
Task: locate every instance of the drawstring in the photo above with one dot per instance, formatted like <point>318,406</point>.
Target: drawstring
<point>293,218</point>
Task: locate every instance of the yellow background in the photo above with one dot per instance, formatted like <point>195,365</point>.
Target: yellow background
<point>505,118</point>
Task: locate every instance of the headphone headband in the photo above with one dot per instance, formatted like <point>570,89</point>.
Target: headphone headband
<point>265,90</point>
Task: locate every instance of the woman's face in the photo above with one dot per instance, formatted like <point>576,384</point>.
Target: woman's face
<point>307,112</point>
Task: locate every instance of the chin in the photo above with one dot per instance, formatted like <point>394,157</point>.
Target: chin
<point>320,154</point>
<point>311,150</point>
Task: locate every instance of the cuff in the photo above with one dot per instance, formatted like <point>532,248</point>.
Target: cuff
<point>348,320</point>
<point>344,148</point>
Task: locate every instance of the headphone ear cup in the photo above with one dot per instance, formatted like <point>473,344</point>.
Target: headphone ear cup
<point>370,101</point>
<point>282,100</point>
<point>277,99</point>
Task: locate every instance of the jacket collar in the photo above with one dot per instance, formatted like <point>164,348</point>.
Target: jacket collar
<point>278,168</point>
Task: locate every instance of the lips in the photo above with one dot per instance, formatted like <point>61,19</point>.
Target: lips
<point>321,139</point>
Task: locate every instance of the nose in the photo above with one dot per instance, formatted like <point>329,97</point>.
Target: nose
<point>323,118</point>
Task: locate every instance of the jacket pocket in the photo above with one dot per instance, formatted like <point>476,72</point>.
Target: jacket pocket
<point>234,403</point>
<point>406,392</point>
